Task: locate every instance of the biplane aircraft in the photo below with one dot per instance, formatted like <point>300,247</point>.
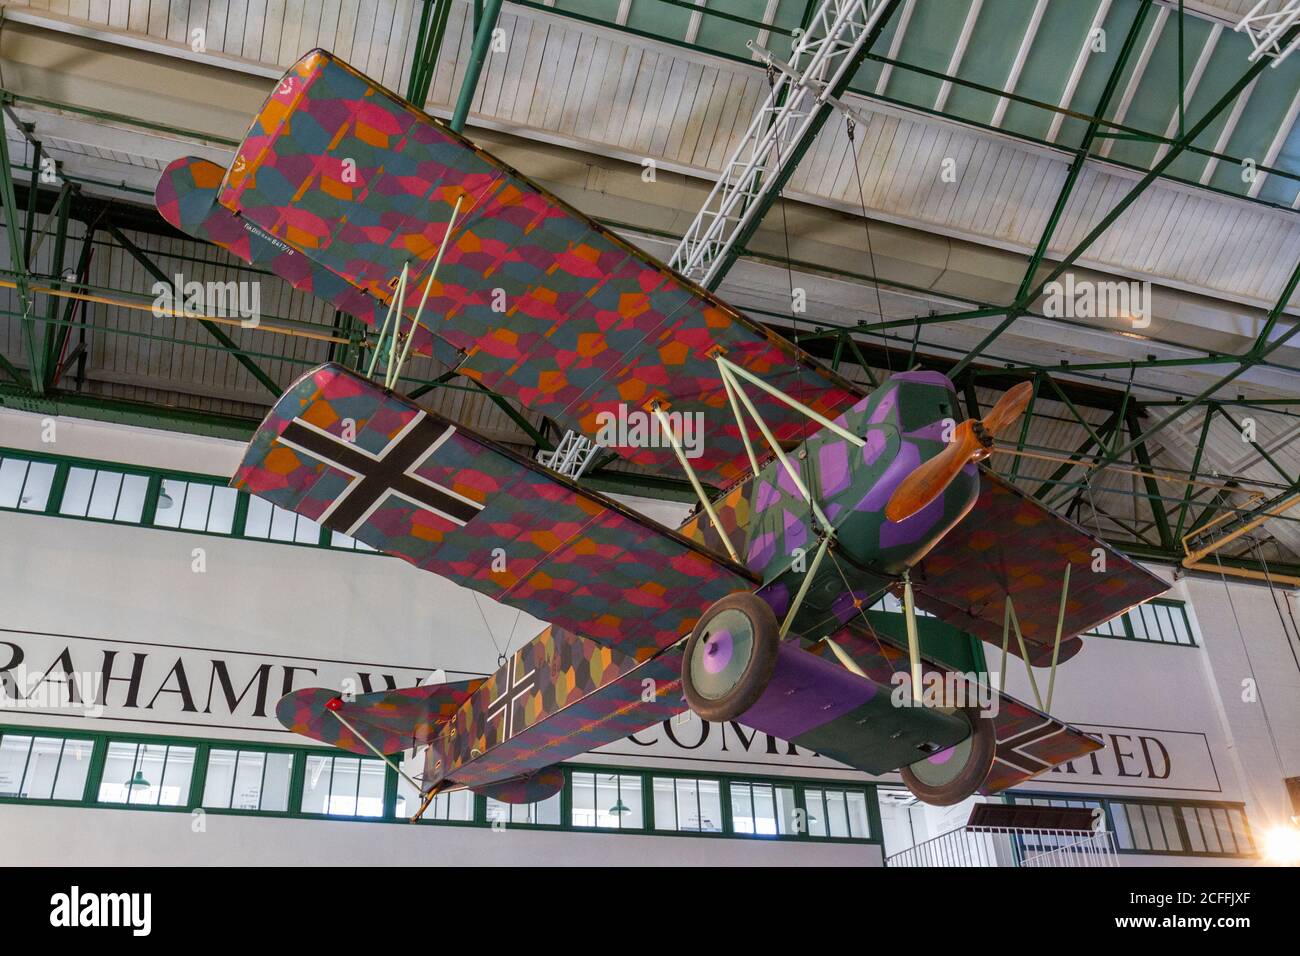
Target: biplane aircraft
<point>755,609</point>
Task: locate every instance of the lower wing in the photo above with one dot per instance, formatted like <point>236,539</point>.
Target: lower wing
<point>1029,742</point>
<point>1012,545</point>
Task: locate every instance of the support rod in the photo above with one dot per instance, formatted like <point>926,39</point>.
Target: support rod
<point>695,482</point>
<point>482,40</point>
<point>212,328</point>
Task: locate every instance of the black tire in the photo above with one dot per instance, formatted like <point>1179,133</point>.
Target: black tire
<point>949,785</point>
<point>723,691</point>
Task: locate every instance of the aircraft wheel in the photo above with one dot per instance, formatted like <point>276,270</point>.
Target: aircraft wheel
<point>730,657</point>
<point>952,775</point>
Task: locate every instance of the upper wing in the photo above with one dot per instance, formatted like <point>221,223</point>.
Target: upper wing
<point>554,310</point>
<point>186,196</point>
<point>1010,544</point>
<point>343,451</point>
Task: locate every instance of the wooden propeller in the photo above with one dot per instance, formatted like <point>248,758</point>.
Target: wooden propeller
<point>972,440</point>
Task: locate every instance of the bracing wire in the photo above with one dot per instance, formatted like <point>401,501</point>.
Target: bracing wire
<point>866,224</point>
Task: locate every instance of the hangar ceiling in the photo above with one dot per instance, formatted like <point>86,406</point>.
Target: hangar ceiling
<point>992,139</point>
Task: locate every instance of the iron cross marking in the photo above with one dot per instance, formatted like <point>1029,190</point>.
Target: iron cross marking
<point>1010,750</point>
<point>516,686</point>
<point>375,477</point>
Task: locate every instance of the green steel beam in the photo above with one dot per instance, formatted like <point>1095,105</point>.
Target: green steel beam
<point>433,28</point>
<point>1196,465</point>
<point>773,190</point>
<point>1261,349</point>
<point>1100,440</point>
<point>1065,400</point>
<point>55,271</point>
<point>1257,446</point>
<point>1130,197</point>
<point>118,119</point>
<point>10,370</point>
<point>1024,425</point>
<point>617,482</point>
<point>1217,499</point>
<point>1079,453</point>
<point>962,82</point>
<point>1153,493</point>
<point>1241,517</point>
<point>514,415</point>
<point>100,408</point>
<point>482,40</point>
<point>19,261</point>
<point>1028,292</point>
<point>212,328</point>
<point>30,219</point>
<point>1222,507</point>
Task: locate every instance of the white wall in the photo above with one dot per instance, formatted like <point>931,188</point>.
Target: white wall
<point>50,836</point>
<point>1252,666</point>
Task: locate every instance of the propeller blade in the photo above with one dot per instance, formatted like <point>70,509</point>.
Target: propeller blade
<point>971,441</point>
<point>928,479</point>
<point>1009,408</point>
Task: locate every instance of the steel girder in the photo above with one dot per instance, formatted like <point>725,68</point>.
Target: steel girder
<point>825,58</point>
<point>1109,128</point>
<point>485,22</point>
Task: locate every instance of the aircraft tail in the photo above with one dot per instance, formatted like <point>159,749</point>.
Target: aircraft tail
<point>391,720</point>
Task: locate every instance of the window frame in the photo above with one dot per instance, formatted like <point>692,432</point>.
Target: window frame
<point>1130,634</point>
<point>64,739</point>
<point>99,741</point>
<point>63,465</point>
<point>1110,804</point>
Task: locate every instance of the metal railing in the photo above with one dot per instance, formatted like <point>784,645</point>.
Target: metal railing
<point>1011,846</point>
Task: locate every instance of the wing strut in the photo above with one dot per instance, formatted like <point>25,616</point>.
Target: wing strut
<point>395,361</point>
<point>1010,622</point>
<point>667,426</point>
<point>725,370</point>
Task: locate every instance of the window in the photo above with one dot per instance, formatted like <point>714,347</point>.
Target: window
<point>1039,842</point>
<point>1161,622</point>
<point>838,814</point>
<point>1218,830</point>
<point>892,605</point>
<point>1165,827</point>
<point>247,780</point>
<point>609,801</point>
<point>455,805</point>
<point>150,774</point>
<point>103,494</point>
<point>763,810</point>
<point>182,503</point>
<point>273,523</point>
<point>43,768</point>
<point>688,805</point>
<point>343,786</point>
<point>1112,628</point>
<point>340,540</point>
<point>251,778</point>
<point>195,506</point>
<point>25,485</point>
<point>543,812</point>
